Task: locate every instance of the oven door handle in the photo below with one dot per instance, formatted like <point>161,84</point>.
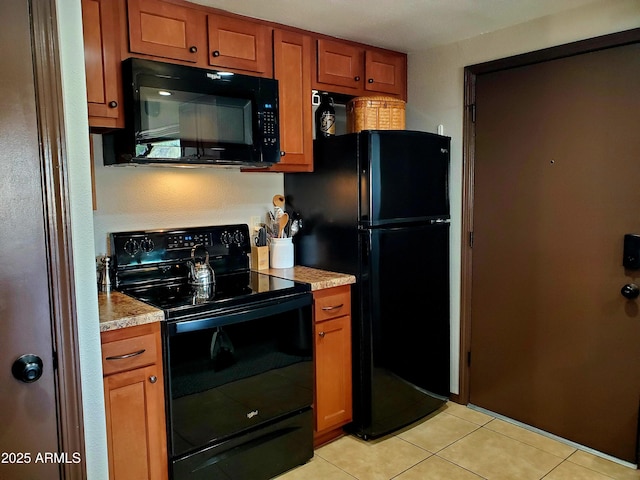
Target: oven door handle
<point>245,314</point>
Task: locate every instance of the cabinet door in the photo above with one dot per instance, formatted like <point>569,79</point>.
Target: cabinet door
<point>136,435</point>
<point>239,44</point>
<point>333,402</point>
<point>102,62</point>
<point>386,72</point>
<point>340,64</point>
<point>292,65</point>
<point>165,30</point>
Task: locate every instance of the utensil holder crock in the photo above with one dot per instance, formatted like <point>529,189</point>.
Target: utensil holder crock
<point>281,252</point>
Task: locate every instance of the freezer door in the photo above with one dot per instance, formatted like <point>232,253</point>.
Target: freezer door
<point>404,177</point>
<point>408,296</point>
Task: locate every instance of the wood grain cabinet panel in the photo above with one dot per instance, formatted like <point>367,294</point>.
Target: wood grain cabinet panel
<point>134,402</point>
<point>333,391</point>
<point>340,64</point>
<point>386,73</point>
<point>165,30</point>
<point>102,63</point>
<point>239,44</point>
<point>353,69</point>
<point>333,373</point>
<point>292,54</point>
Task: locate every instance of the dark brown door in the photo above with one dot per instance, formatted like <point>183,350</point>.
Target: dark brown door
<point>27,410</point>
<point>554,344</point>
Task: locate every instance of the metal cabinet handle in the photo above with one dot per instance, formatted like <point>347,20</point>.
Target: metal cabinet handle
<point>630,291</point>
<point>370,80</point>
<point>113,104</point>
<point>321,334</point>
<point>215,53</point>
<point>153,379</point>
<point>357,78</point>
<point>193,49</point>
<point>334,307</point>
<point>127,355</point>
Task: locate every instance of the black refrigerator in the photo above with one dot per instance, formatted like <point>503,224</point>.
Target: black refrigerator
<point>377,206</point>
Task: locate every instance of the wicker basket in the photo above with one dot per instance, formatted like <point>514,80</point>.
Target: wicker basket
<point>375,113</point>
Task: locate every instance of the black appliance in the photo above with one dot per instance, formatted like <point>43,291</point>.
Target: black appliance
<point>237,356</point>
<point>177,114</point>
<point>377,206</point>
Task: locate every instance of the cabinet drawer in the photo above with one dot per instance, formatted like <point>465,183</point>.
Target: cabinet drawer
<point>129,353</point>
<point>332,303</point>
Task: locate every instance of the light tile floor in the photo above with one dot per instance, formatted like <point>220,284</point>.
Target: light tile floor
<point>458,443</point>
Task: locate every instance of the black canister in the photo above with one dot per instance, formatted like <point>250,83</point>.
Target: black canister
<point>325,117</point>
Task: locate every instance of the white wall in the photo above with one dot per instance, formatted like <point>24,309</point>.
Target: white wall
<point>69,17</point>
<point>436,81</point>
<point>133,198</point>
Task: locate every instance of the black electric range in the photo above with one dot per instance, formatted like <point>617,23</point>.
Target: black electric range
<point>238,357</point>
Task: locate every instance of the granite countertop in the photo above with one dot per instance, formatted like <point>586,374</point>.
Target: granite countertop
<point>117,310</point>
<point>318,279</point>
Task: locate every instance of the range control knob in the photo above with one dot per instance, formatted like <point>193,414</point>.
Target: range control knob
<point>131,246</point>
<point>225,238</point>
<point>238,237</point>
<point>147,245</point>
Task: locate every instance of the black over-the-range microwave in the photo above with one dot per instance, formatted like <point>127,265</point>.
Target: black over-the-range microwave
<point>181,115</point>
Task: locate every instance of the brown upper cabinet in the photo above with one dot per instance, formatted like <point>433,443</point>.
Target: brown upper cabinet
<point>239,44</point>
<point>165,30</point>
<point>340,65</point>
<point>292,54</point>
<point>385,72</point>
<point>356,70</point>
<point>178,32</point>
<point>102,63</point>
<point>181,32</point>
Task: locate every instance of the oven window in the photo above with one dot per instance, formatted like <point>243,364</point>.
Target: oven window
<point>175,124</point>
<point>226,379</point>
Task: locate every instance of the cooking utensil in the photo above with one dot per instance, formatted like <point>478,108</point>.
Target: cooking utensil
<point>278,205</point>
<point>283,221</point>
<point>278,201</point>
<point>295,227</point>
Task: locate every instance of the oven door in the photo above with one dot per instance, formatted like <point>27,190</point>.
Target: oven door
<point>232,373</point>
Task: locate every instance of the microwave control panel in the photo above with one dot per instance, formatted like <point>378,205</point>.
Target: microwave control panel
<point>269,126</point>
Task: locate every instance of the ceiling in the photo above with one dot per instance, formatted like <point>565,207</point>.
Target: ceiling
<point>403,25</point>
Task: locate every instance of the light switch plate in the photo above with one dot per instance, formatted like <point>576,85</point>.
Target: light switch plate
<point>254,221</point>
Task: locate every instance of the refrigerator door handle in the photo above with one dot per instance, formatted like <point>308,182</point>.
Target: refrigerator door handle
<point>438,221</point>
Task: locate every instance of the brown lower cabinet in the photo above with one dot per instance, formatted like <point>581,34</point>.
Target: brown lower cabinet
<point>134,402</point>
<point>332,334</point>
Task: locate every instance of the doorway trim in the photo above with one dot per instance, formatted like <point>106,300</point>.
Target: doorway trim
<point>468,160</point>
<point>56,200</point>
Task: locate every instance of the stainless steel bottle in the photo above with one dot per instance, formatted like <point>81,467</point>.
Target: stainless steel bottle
<point>325,117</point>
